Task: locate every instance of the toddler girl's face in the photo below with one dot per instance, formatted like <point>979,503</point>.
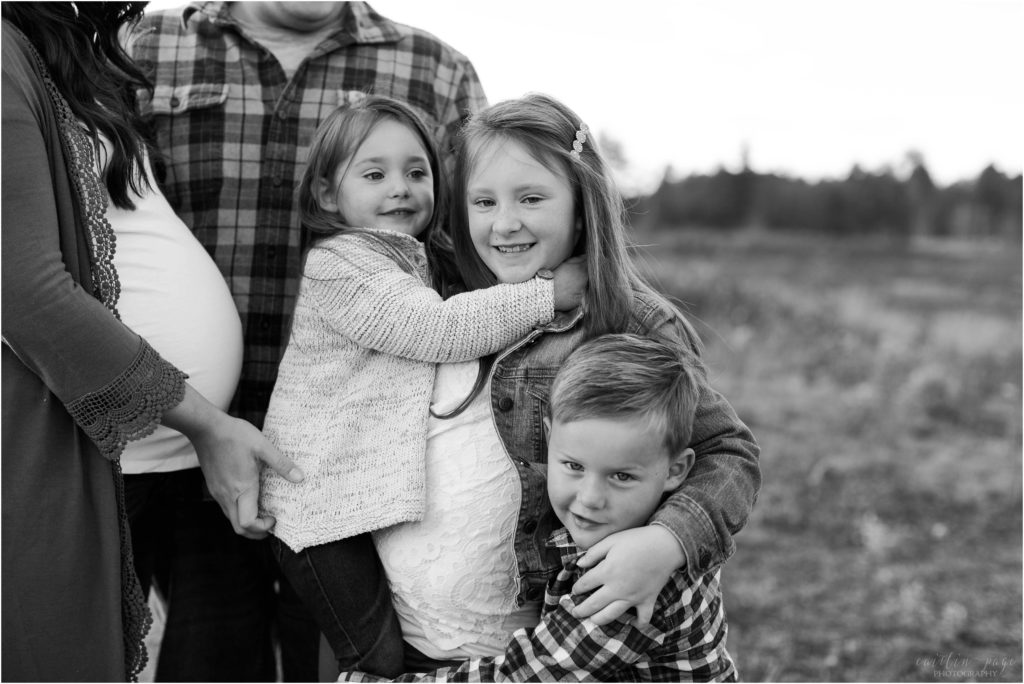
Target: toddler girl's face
<point>522,216</point>
<point>387,183</point>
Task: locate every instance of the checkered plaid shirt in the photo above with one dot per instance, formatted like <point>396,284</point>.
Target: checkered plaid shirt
<point>685,641</point>
<point>235,132</point>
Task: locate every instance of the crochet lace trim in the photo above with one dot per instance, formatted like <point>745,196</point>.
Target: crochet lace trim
<point>136,620</point>
<point>92,195</point>
<point>129,407</point>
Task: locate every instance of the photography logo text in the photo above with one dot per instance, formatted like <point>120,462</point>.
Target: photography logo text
<point>955,665</point>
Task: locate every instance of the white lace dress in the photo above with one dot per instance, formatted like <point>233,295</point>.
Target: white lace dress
<point>453,575</point>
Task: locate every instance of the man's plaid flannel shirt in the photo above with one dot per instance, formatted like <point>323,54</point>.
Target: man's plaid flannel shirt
<point>234,132</point>
<point>685,641</point>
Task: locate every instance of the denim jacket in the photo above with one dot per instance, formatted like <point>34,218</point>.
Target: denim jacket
<point>712,504</point>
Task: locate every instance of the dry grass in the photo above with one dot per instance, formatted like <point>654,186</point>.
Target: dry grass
<point>884,384</point>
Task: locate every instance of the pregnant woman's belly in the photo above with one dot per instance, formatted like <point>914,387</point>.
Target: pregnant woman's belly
<point>173,295</point>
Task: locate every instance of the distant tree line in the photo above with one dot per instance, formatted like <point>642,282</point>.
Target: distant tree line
<point>878,202</point>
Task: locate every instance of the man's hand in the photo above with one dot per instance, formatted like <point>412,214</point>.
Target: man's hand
<point>230,451</point>
<point>629,569</point>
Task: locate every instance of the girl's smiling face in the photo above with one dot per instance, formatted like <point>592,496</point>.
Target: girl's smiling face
<point>522,216</point>
<point>387,183</point>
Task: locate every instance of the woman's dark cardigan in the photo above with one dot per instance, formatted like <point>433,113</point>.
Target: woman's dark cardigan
<point>77,385</point>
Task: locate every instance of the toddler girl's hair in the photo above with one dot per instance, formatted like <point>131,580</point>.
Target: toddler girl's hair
<point>337,139</point>
<point>546,128</point>
<point>624,376</point>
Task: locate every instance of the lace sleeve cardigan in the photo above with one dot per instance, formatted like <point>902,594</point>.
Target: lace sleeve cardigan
<point>77,385</point>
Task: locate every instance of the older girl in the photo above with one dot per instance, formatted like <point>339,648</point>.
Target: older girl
<point>532,190</point>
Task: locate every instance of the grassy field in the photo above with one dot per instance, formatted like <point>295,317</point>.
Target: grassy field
<point>884,385</point>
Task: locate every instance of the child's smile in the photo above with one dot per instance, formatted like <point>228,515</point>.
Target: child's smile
<point>522,216</point>
<point>606,475</point>
<point>387,183</point>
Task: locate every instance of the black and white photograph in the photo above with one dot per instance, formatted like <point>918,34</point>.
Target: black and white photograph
<point>435,341</point>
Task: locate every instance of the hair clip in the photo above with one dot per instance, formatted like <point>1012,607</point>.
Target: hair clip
<point>581,137</point>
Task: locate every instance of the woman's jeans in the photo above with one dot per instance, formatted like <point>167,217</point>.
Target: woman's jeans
<point>343,585</point>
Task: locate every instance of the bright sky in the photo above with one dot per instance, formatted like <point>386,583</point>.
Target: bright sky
<point>810,87</point>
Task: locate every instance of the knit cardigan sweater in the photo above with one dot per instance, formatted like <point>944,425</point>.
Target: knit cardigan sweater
<point>352,398</point>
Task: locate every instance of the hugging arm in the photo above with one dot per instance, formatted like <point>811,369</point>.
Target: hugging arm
<point>367,297</point>
<point>717,496</point>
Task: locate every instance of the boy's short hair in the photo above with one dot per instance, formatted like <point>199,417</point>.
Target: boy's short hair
<point>629,376</point>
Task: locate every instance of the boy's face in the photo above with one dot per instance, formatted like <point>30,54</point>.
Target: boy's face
<point>607,475</point>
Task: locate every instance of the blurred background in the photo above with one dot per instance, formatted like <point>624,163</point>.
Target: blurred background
<point>832,192</point>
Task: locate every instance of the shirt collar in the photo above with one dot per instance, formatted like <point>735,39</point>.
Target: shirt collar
<point>359,20</point>
<point>563,320</point>
<point>568,552</point>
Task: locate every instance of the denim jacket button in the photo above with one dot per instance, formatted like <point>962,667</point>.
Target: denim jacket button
<point>505,403</point>
<point>705,558</point>
<point>530,527</point>
<point>533,593</point>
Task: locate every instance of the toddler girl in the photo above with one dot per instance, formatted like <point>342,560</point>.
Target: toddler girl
<point>351,399</point>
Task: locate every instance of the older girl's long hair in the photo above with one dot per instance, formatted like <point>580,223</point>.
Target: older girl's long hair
<point>546,128</point>
<point>336,139</point>
<point>79,44</point>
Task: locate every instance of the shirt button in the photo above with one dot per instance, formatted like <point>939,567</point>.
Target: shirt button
<point>281,114</point>
<point>530,527</point>
<point>175,102</point>
<point>271,252</point>
<point>505,403</point>
<point>276,181</point>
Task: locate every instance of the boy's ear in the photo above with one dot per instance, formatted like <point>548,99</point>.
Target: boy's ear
<point>678,468</point>
<point>547,429</point>
<point>325,195</point>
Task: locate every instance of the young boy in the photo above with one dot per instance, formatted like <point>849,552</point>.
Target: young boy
<point>622,410</point>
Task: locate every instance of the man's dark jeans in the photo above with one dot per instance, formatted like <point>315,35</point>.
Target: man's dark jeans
<point>223,612</point>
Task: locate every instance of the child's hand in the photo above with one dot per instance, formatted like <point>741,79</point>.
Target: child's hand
<point>570,283</point>
<point>631,568</point>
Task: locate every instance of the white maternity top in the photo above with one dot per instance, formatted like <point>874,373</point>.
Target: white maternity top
<point>173,295</point>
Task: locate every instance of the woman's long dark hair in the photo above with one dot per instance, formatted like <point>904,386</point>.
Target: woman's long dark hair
<point>80,46</point>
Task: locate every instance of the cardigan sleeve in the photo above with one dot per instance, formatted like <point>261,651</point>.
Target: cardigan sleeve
<point>113,383</point>
<point>364,295</point>
<point>719,492</point>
